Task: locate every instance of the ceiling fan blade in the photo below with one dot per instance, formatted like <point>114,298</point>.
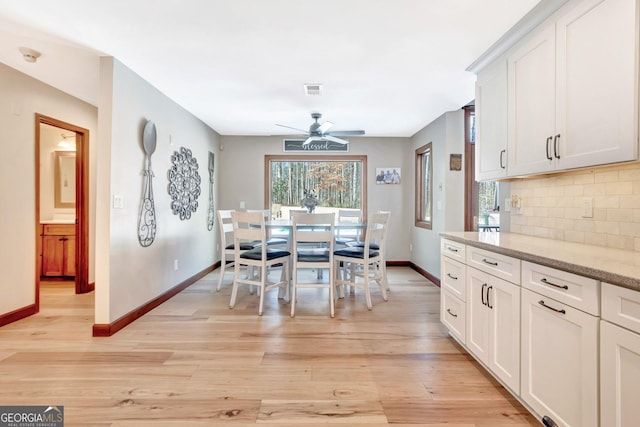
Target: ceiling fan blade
<point>305,132</point>
<point>311,139</point>
<point>346,132</point>
<point>324,127</point>
<point>334,139</point>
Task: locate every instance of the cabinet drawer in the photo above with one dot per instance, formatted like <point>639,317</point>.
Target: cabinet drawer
<point>454,277</point>
<point>59,229</point>
<point>452,315</point>
<point>501,266</point>
<point>453,249</point>
<point>621,306</point>
<point>577,291</point>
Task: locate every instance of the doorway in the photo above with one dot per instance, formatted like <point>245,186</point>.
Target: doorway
<point>66,170</point>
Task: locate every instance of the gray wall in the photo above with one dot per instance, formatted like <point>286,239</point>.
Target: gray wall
<point>446,134</point>
<point>242,177</point>
<point>127,274</point>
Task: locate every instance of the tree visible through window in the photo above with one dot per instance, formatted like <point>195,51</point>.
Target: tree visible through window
<point>424,187</point>
<point>337,182</point>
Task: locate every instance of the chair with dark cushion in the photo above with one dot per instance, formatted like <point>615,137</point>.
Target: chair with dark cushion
<point>313,245</point>
<point>227,254</point>
<point>365,261</point>
<point>249,227</point>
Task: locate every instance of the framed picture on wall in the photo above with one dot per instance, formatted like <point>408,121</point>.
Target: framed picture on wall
<point>390,175</point>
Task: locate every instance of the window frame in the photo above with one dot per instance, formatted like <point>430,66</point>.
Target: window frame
<point>420,190</point>
<point>268,158</point>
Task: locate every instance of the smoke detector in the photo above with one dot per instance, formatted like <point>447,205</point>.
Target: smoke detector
<point>313,89</point>
<point>29,55</point>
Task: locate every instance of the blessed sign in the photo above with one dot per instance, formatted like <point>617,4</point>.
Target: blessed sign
<point>296,145</point>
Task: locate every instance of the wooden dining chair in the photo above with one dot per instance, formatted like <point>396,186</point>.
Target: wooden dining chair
<point>250,227</point>
<point>313,246</point>
<point>364,261</point>
<point>271,240</point>
<point>227,248</point>
<point>344,236</point>
<point>385,216</point>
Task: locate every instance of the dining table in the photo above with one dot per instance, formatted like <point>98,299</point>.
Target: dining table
<point>282,227</point>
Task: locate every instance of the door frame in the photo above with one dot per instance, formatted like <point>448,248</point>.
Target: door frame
<point>471,186</point>
<point>82,284</point>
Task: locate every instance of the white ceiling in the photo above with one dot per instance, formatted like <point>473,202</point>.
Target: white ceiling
<point>387,66</point>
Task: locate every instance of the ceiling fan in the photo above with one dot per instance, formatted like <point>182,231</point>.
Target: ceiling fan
<point>320,132</point>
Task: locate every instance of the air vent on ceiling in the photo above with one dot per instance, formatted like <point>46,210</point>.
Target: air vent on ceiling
<point>312,89</point>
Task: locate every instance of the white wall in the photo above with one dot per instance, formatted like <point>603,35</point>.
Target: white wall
<point>446,134</point>
<point>127,274</point>
<point>242,179</point>
<point>23,97</point>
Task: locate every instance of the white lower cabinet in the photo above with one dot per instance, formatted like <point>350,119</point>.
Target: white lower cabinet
<point>493,325</point>
<point>619,357</point>
<point>452,314</point>
<point>559,366</point>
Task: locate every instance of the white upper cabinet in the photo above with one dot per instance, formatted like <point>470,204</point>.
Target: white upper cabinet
<point>531,104</point>
<point>596,83</point>
<point>491,125</point>
<point>572,93</point>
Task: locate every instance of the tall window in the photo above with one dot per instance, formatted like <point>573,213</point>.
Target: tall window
<point>424,186</point>
<point>482,210</point>
<point>336,182</point>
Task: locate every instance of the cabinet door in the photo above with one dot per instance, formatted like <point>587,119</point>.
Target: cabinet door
<point>503,299</point>
<point>478,314</point>
<point>559,361</point>
<point>531,104</point>
<point>597,54</point>
<point>70,256</point>
<point>491,127</point>
<point>52,255</point>
<point>619,376</point>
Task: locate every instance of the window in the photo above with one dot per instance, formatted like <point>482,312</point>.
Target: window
<point>336,182</point>
<point>482,199</point>
<point>424,186</point>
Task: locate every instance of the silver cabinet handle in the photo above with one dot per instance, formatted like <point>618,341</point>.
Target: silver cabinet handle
<point>484,285</point>
<point>546,282</point>
<point>561,311</point>
<point>547,148</point>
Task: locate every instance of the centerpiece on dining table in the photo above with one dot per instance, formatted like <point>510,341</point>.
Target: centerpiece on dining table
<point>310,201</point>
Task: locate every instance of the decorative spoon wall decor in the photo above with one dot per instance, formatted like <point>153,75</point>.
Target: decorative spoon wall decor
<point>147,219</point>
<point>210,212</point>
<point>184,183</point>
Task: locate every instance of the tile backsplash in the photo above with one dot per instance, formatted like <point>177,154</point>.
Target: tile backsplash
<point>558,206</point>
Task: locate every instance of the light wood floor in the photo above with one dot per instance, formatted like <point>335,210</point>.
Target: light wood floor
<point>195,362</point>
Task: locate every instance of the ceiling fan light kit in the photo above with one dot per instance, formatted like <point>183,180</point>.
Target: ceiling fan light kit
<point>320,132</point>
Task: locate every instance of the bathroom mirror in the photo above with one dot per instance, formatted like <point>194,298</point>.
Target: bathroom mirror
<point>65,179</point>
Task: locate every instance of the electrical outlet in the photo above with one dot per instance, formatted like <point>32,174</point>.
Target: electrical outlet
<point>118,202</point>
<point>507,204</point>
<point>175,264</point>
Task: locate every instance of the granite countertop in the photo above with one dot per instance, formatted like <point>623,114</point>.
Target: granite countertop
<point>615,266</point>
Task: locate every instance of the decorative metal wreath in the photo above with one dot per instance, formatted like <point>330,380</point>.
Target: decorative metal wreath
<point>184,183</point>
